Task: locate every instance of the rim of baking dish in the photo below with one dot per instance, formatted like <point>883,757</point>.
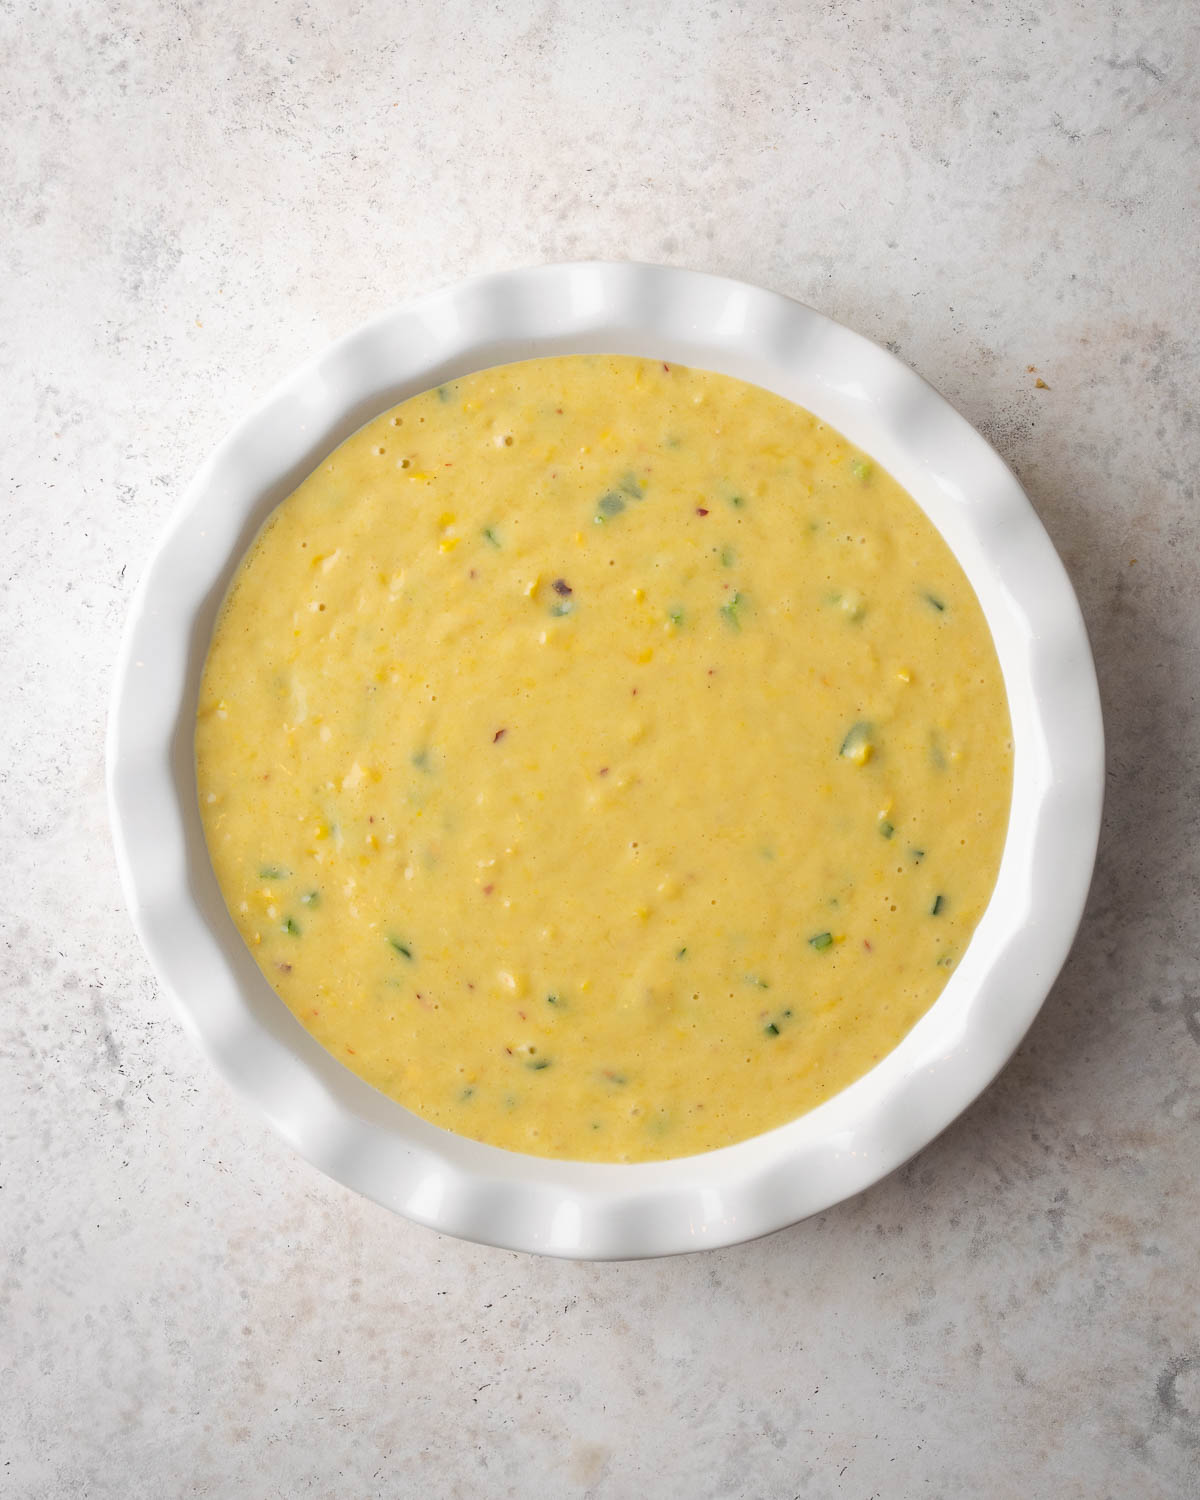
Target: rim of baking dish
<point>610,1211</point>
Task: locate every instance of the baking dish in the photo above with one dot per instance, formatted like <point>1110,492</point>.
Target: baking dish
<point>478,1192</point>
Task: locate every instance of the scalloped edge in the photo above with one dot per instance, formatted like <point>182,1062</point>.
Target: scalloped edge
<point>574,1209</point>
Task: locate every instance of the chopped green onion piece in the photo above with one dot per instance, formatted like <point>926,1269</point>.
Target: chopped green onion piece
<point>538,1063</point>
<point>629,483</point>
<point>886,829</point>
<point>939,902</point>
<point>290,925</point>
<point>402,948</point>
<point>675,616</point>
<point>727,557</point>
<point>611,504</point>
<point>852,606</point>
<point>311,898</point>
<point>681,953</point>
<point>736,501</point>
<point>490,536</point>
<point>770,1029</point>
<point>863,469</point>
<point>730,612</point>
<point>822,941</point>
<point>938,604</point>
<point>858,745</point>
<point>273,872</point>
<point>553,1000</point>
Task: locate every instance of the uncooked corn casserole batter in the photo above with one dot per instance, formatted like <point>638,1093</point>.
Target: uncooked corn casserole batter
<point>603,758</point>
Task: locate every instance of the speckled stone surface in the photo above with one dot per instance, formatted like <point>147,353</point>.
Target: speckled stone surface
<point>197,196</point>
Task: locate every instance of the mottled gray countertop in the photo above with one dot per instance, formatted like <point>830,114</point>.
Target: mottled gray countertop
<point>198,196</point>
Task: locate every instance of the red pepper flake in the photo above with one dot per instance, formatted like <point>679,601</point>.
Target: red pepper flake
<point>558,409</point>
<point>700,511</point>
<point>488,889</point>
<point>561,586</point>
<point>351,1051</point>
<point>666,367</point>
<point>472,574</point>
<point>508,1050</point>
<point>603,771</point>
<point>498,736</point>
<point>521,1013</point>
<point>866,945</point>
<point>287,969</point>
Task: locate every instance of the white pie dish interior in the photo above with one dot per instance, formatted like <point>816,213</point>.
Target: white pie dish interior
<point>564,1208</point>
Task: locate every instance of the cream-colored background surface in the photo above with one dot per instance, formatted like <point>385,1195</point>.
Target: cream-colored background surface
<point>198,196</point>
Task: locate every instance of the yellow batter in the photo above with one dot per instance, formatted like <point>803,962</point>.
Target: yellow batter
<point>604,759</point>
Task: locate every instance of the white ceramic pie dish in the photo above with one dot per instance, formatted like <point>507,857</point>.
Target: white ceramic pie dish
<point>502,1198</point>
